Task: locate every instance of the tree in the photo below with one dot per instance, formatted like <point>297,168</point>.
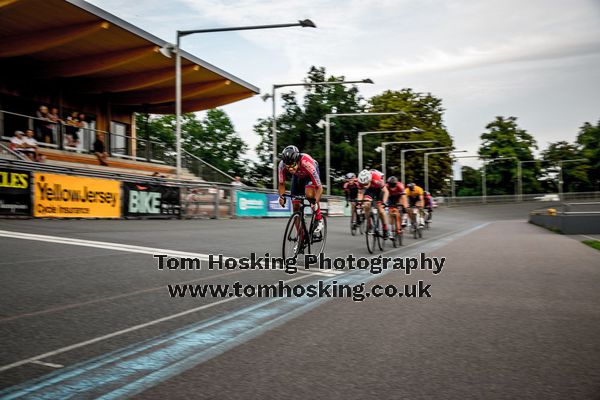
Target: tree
<point>505,139</point>
<point>575,174</point>
<point>420,110</point>
<point>470,184</point>
<point>589,140</point>
<point>298,124</point>
<point>213,139</point>
<point>261,172</point>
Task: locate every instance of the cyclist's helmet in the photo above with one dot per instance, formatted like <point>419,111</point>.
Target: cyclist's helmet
<point>364,178</point>
<point>392,181</point>
<point>350,175</point>
<point>411,186</point>
<point>290,155</point>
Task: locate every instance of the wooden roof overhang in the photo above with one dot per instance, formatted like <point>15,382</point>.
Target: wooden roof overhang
<point>93,53</point>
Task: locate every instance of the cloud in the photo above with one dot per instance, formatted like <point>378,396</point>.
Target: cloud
<point>483,58</point>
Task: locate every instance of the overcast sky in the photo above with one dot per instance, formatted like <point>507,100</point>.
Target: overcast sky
<point>538,60</point>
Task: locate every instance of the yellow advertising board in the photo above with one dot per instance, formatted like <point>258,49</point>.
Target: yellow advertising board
<point>64,196</point>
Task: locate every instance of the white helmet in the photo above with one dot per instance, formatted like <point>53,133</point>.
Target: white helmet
<point>364,177</point>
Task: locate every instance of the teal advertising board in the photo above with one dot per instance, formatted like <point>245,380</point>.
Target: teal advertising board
<point>250,204</point>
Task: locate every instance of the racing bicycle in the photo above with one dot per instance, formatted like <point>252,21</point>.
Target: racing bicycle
<point>396,238</point>
<point>415,226</point>
<point>357,220</point>
<point>298,238</point>
<point>374,230</point>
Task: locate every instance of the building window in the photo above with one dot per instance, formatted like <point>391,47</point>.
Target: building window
<point>118,138</point>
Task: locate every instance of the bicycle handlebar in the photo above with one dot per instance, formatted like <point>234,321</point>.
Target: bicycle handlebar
<point>299,198</point>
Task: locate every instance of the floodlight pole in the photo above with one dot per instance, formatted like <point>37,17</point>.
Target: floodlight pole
<point>421,149</point>
<point>360,141</point>
<point>305,24</point>
<point>274,119</point>
<point>426,166</point>
<point>327,139</point>
<point>384,154</point>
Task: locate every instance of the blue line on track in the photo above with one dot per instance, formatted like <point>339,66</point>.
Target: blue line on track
<point>135,368</point>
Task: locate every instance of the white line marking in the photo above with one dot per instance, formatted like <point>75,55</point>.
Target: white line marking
<point>47,364</point>
<point>589,237</point>
<point>102,245</point>
<point>144,325</point>
<point>123,331</point>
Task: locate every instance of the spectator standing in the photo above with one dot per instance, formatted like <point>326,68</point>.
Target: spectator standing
<point>100,150</point>
<point>237,181</point>
<point>72,128</point>
<point>57,122</point>
<point>44,125</point>
<point>82,133</point>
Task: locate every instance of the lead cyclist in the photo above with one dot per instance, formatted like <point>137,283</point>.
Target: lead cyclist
<point>305,181</point>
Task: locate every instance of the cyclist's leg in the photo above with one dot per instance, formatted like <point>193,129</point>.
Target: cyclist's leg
<point>393,221</point>
<point>297,189</point>
<point>367,207</point>
<point>411,204</point>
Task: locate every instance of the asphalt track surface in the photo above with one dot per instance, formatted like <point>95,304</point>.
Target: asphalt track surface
<point>515,313</point>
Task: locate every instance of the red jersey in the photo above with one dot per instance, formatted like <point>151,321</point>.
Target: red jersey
<point>307,167</point>
<point>352,184</point>
<point>397,190</point>
<point>376,180</point>
<point>427,199</point>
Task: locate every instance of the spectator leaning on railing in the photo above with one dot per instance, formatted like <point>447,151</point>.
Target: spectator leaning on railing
<point>72,129</point>
<point>54,116</point>
<point>44,125</point>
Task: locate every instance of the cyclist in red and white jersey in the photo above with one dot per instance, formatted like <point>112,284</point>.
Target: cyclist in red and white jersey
<point>305,180</point>
<point>374,190</point>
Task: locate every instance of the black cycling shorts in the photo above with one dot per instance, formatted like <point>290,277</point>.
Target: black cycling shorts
<point>375,194</point>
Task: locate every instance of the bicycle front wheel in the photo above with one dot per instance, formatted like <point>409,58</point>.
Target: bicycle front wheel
<point>318,241</point>
<point>293,237</point>
<point>353,224</point>
<point>371,234</point>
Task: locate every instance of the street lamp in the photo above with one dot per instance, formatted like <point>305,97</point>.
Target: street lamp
<point>560,176</point>
<point>426,166</point>
<point>266,96</point>
<point>482,177</point>
<point>360,143</point>
<point>383,153</point>
<point>422,149</point>
<point>305,24</point>
<point>560,180</point>
<point>327,134</point>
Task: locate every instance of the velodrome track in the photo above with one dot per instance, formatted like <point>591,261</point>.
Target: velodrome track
<point>85,313</point>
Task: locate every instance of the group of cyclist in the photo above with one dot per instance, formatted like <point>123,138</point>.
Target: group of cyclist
<point>370,186</point>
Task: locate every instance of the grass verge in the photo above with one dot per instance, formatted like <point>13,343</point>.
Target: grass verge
<point>593,243</point>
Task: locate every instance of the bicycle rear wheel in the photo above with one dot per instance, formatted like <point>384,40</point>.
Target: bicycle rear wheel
<point>361,223</point>
<point>293,237</point>
<point>370,234</point>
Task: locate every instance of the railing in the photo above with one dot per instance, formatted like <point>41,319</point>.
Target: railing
<point>7,153</point>
<point>512,198</point>
<point>58,135</point>
<point>201,168</point>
